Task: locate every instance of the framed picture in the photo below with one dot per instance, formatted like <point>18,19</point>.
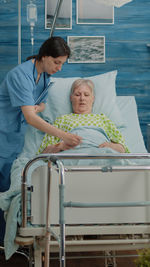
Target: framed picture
<point>86,49</point>
<point>64,19</point>
<point>94,12</point>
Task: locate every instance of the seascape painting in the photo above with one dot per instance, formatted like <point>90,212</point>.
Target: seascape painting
<point>87,49</point>
<point>93,12</point>
<point>64,19</point>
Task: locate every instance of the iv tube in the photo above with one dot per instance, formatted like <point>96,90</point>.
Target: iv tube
<point>32,18</point>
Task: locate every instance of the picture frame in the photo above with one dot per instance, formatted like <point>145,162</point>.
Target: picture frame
<point>64,19</point>
<point>94,12</point>
<point>86,49</point>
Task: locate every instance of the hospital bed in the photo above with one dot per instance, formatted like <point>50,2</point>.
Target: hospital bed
<point>121,224</point>
<point>99,202</point>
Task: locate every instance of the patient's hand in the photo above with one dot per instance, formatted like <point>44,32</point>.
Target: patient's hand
<point>63,146</point>
<point>118,147</point>
<point>52,149</point>
<point>56,148</point>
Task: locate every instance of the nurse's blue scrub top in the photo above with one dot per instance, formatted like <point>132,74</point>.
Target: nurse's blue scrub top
<point>18,89</point>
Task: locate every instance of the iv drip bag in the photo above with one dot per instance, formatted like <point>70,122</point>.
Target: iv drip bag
<point>31,14</point>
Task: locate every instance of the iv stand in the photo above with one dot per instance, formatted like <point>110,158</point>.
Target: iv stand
<point>55,16</point>
<point>19,31</point>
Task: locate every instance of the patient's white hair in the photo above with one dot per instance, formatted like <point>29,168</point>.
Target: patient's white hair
<point>79,82</point>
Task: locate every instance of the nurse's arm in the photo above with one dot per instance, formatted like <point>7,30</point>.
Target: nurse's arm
<point>33,119</point>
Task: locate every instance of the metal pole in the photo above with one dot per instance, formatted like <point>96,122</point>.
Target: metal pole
<point>19,31</point>
<point>55,16</point>
<point>47,235</point>
<point>61,213</point>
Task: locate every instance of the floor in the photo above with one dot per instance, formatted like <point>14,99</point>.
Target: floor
<point>20,260</point>
<point>17,260</point>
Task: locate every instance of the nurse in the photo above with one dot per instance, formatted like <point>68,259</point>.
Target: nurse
<point>23,95</point>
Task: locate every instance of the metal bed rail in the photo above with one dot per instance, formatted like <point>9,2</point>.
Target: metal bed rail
<point>56,159</point>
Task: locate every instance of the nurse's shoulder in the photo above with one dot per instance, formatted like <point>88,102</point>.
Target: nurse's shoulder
<point>25,67</point>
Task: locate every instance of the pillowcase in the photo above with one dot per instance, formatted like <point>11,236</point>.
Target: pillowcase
<point>58,102</point>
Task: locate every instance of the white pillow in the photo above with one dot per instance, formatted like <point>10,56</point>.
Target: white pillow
<point>58,102</point>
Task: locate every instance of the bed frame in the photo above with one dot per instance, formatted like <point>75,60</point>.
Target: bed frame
<point>93,225</point>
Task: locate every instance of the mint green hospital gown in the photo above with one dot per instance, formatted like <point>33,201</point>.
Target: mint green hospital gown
<point>71,121</point>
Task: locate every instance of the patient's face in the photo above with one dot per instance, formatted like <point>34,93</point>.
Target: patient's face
<point>82,99</point>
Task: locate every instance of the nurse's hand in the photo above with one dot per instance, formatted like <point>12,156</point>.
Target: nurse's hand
<point>71,140</point>
<point>39,108</point>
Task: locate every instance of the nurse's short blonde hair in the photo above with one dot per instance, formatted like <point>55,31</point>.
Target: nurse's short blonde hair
<point>80,82</point>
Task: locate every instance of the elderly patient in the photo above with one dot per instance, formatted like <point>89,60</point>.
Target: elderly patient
<point>82,99</point>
